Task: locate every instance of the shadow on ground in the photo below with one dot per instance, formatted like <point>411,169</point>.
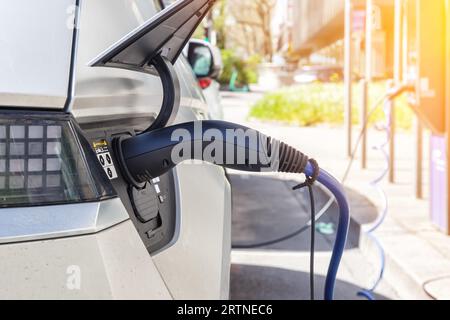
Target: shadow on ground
<point>265,208</point>
<point>281,284</point>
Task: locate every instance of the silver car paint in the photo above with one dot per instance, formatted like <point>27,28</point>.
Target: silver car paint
<point>212,95</point>
<point>204,246</point>
<point>35,223</point>
<point>35,55</point>
<point>115,262</point>
<point>121,92</point>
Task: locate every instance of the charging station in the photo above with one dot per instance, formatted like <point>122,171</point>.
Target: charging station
<point>426,65</point>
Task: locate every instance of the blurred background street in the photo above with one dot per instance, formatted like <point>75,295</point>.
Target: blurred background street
<point>342,80</point>
<point>281,271</point>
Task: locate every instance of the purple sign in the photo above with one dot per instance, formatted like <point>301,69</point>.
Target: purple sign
<point>359,20</point>
<point>438,182</point>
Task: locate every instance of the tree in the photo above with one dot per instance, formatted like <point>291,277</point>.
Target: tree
<point>220,13</point>
<point>253,25</point>
<point>216,19</point>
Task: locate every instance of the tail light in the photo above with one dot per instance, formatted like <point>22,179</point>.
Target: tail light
<point>204,83</point>
<point>44,159</point>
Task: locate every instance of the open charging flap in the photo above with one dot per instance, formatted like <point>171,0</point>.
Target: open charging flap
<point>154,47</point>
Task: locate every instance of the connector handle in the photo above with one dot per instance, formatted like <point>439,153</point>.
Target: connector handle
<point>226,144</point>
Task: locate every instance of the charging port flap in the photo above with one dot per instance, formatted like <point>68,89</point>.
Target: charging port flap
<point>154,47</point>
<point>165,34</point>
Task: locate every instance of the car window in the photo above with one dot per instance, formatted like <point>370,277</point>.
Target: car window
<point>202,61</point>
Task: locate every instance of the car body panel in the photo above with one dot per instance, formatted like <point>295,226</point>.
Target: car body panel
<point>212,95</point>
<point>121,92</point>
<point>29,80</point>
<point>203,248</point>
<point>113,264</point>
<point>46,222</point>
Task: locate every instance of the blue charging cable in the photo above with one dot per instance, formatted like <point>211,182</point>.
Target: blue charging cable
<point>387,99</point>
<point>383,212</point>
<point>329,182</point>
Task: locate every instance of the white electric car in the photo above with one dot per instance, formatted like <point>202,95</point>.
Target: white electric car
<point>70,226</point>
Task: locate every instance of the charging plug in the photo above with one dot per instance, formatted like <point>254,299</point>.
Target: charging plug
<point>150,155</point>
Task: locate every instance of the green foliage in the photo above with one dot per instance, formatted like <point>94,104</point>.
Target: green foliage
<point>316,103</point>
<point>247,69</point>
<point>220,17</point>
<point>251,69</point>
<point>199,33</point>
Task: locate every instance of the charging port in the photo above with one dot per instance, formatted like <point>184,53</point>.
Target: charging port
<point>151,206</point>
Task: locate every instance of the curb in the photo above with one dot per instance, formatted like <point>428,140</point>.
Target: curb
<point>403,280</point>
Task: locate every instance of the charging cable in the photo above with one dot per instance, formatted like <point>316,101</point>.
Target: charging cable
<point>151,154</point>
<point>389,96</point>
<point>386,100</point>
<point>327,206</point>
<point>309,184</point>
<point>382,213</point>
<point>311,225</point>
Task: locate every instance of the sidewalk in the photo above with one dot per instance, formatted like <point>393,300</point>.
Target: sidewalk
<point>416,252</point>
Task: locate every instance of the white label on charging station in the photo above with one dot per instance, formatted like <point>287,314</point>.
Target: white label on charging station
<point>105,159</point>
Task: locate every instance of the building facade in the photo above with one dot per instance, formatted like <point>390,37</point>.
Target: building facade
<point>316,31</point>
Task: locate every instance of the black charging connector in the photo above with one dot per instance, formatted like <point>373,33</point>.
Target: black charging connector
<point>151,154</point>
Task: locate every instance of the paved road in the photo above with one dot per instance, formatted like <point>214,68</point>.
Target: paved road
<point>265,207</point>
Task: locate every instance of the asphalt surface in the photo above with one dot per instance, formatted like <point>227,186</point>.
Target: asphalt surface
<point>265,208</point>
